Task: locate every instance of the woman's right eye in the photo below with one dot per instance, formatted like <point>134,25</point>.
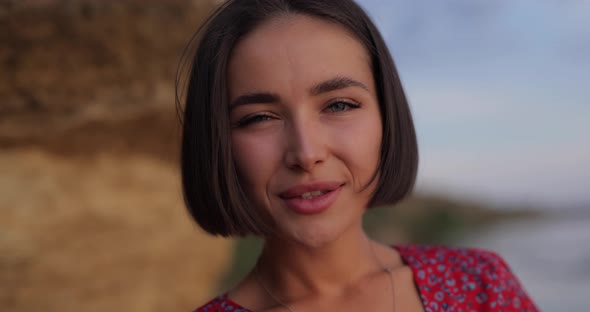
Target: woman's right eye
<point>253,119</point>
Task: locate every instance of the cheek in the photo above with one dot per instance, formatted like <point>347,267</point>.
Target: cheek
<point>255,158</point>
<point>360,147</point>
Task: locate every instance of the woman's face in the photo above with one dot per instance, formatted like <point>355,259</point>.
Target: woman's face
<point>306,128</point>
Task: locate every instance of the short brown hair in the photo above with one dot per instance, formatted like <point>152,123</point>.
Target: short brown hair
<point>211,189</point>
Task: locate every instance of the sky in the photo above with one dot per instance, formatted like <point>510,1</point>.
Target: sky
<point>498,90</point>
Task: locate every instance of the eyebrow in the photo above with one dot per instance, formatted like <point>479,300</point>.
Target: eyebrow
<point>253,98</point>
<point>333,84</point>
<point>336,83</point>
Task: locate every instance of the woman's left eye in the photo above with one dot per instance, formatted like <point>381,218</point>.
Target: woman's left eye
<point>341,106</point>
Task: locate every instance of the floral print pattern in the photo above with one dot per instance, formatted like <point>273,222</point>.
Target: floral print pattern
<point>448,279</point>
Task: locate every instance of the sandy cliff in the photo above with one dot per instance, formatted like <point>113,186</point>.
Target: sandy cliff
<point>91,214</point>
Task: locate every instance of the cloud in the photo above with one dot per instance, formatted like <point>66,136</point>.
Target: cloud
<point>499,94</point>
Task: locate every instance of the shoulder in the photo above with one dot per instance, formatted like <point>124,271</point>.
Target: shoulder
<point>443,257</point>
<point>466,278</point>
<point>220,303</point>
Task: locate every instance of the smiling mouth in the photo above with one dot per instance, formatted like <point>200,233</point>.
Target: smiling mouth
<point>310,190</point>
<point>314,194</point>
<point>312,198</point>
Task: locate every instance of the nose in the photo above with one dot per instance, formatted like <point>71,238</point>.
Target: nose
<point>307,147</point>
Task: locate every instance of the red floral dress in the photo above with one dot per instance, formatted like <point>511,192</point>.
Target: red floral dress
<point>448,279</point>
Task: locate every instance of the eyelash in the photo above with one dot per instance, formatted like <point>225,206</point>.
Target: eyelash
<point>256,118</point>
<point>350,105</point>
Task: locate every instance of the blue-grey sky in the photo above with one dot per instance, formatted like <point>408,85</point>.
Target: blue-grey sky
<point>499,95</point>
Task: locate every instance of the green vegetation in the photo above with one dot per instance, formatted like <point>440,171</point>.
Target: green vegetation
<point>245,254</point>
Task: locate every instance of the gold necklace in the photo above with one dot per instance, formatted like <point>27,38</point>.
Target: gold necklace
<point>277,300</point>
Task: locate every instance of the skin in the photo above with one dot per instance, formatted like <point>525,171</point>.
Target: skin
<point>319,262</point>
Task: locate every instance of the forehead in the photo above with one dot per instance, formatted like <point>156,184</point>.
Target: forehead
<point>294,52</point>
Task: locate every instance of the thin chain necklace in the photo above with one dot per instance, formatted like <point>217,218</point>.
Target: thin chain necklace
<point>277,300</point>
<point>269,292</point>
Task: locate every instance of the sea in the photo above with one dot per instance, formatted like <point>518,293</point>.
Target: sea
<point>550,256</point>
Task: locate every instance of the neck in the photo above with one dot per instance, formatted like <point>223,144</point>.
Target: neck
<point>295,271</point>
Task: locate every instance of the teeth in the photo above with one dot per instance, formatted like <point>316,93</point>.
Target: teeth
<point>310,195</point>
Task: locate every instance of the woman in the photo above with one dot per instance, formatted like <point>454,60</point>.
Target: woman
<point>295,123</point>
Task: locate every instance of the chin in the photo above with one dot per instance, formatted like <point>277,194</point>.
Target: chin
<point>316,236</point>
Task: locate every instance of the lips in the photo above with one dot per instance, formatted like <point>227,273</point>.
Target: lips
<point>320,186</point>
<point>311,198</point>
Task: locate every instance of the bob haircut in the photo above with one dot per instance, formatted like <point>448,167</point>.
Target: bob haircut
<point>211,188</point>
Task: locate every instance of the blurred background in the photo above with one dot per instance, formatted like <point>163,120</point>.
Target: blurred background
<point>91,212</point>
